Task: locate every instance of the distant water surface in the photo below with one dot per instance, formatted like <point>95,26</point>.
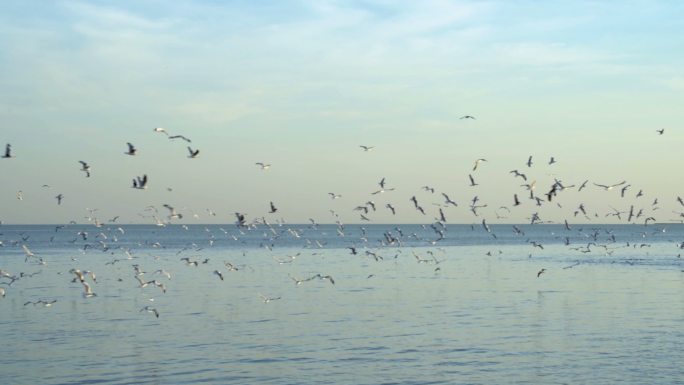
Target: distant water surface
<point>467,309</point>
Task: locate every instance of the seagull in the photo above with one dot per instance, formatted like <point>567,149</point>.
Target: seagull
<point>88,292</point>
<point>517,173</point>
<point>442,217</point>
<point>140,183</point>
<point>189,262</point>
<point>477,163</point>
<point>20,195</point>
<point>173,214</point>
<point>232,267</point>
<point>428,188</point>
<point>162,130</point>
<point>382,190</point>
<point>164,272</point>
<point>529,161</point>
<point>8,151</point>
<point>367,148</point>
<point>150,309</point>
<point>27,251</point>
<point>583,185</point>
<point>540,272</point>
<point>273,209</point>
<point>193,153</point>
<point>611,186</point>
<point>131,150</point>
<point>41,302</point>
<point>264,166</point>
<point>472,181</point>
<point>661,131</point>
<point>240,219</point>
<point>448,201</point>
<point>328,277</point>
<point>85,167</point>
<point>180,137</point>
<point>516,202</point>
<point>467,117</point>
<point>59,198</point>
<point>552,160</point>
<point>220,275</point>
<point>268,299</point>
<point>486,227</point>
<point>334,196</point>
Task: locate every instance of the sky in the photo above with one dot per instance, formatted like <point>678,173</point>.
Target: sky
<point>301,85</point>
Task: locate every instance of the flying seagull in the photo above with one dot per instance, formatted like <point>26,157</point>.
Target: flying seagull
<point>389,206</point>
<point>162,130</point>
<point>518,173</point>
<point>611,186</point>
<point>268,299</point>
<point>273,209</point>
<point>150,309</point>
<point>8,151</point>
<point>172,212</point>
<point>477,163</point>
<point>59,198</point>
<point>85,167</point>
<point>140,182</point>
<point>193,153</point>
<point>264,166</point>
<point>131,149</point>
<point>367,148</point>
<point>87,291</point>
<point>467,117</point>
<point>661,131</point>
<point>516,202</point>
<point>180,137</point>
<point>448,201</point>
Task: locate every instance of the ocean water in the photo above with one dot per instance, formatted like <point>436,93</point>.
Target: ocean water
<point>470,308</point>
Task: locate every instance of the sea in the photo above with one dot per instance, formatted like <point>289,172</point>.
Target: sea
<point>342,304</point>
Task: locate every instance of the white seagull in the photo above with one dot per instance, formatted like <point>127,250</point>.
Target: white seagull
<point>477,163</point>
<point>607,188</point>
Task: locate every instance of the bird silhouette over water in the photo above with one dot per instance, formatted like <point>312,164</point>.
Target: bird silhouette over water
<point>131,149</point>
<point>8,152</point>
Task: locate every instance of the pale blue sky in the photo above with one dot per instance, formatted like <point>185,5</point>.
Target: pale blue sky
<point>301,84</point>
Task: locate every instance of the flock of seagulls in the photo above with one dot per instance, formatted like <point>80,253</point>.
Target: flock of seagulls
<point>439,203</point>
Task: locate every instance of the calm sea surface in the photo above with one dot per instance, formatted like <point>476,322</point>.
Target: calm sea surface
<point>467,309</point>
